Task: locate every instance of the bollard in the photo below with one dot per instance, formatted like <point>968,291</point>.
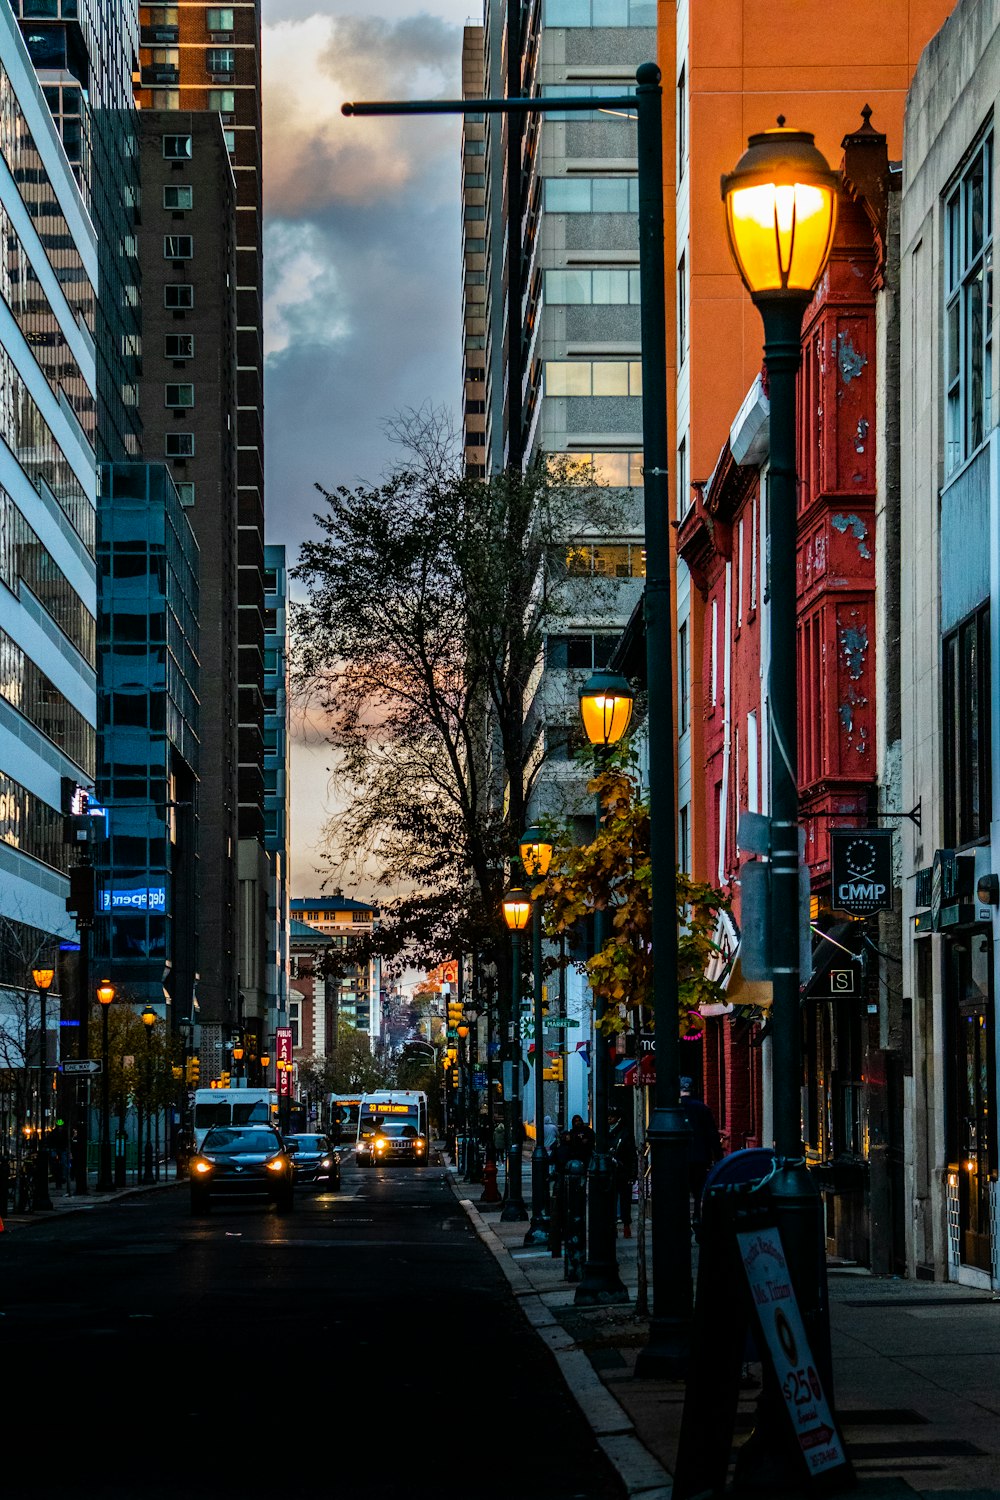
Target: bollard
<point>575,1223</point>
<point>490,1193</point>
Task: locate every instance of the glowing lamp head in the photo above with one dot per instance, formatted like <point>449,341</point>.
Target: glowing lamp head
<point>536,851</point>
<point>265,1059</point>
<point>105,992</point>
<point>781,212</point>
<point>238,1053</point>
<point>463,1031</point>
<point>43,977</point>
<point>148,1018</point>
<point>516,909</point>
<point>606,707</point>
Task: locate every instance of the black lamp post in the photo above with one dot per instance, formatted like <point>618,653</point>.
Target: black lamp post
<point>238,1050</point>
<point>148,1021</point>
<point>781,207</point>
<point>105,1180</point>
<point>43,977</point>
<point>516,910</point>
<point>606,710</point>
<point>536,856</point>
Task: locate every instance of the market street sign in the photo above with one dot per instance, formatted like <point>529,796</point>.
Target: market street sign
<point>861,864</point>
<point>88,1065</point>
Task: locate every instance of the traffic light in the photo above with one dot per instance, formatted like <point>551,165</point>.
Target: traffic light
<point>454,1015</point>
<point>554,1072</point>
<point>223,1079</point>
<point>193,1071</point>
<point>177,1072</point>
<point>454,1078</point>
<point>80,900</point>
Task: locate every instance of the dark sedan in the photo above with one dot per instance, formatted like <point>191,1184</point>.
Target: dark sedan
<point>315,1161</point>
<point>242,1162</point>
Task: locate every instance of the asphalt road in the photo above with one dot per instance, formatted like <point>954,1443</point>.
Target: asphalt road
<point>366,1345</point>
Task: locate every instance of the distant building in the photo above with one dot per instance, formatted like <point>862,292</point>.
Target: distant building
<point>277,768</point>
<point>474,257</point>
<point>355,996</point>
<point>312,1025</point>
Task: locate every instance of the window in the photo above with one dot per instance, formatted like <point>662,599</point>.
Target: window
<point>220,60</point>
<point>222,100</point>
<point>753,554</point>
<point>178,247</point>
<point>598,377</point>
<point>475,211</point>
<point>178,295</point>
<point>178,345</point>
<point>179,445</point>
<point>681,309</point>
<point>219,19</point>
<point>681,123</point>
<point>185,491</point>
<point>683,487</point>
<point>229,136</point>
<point>178,195</point>
<point>683,680</point>
<point>178,395</point>
<point>714,652</point>
<point>619,470</point>
<point>475,148</point>
<point>596,91</point>
<point>967,787</point>
<point>166,98</point>
<point>609,560</point>
<point>596,288</point>
<point>684,839</point>
<point>968,330</point>
<point>177,147</point>
<point>591,195</point>
<point>594,13</point>
<point>475,180</point>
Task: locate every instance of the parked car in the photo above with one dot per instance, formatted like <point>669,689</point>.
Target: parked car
<point>242,1162</point>
<point>315,1160</point>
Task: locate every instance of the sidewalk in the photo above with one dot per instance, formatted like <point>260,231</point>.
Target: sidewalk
<point>916,1372</point>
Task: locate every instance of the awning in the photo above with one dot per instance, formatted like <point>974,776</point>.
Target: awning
<point>835,949</point>
<point>740,991</point>
<point>635,1070</point>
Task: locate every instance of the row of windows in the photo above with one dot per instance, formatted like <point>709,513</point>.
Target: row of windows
<point>591,195</point>
<point>594,13</point>
<point>31,440</point>
<point>622,469</point>
<point>33,314</point>
<point>585,91</point>
<point>586,652</point>
<point>593,377</point>
<point>31,825</point>
<point>18,149</point>
<point>969,308</point>
<point>618,560</point>
<point>26,687</point>
<point>592,288</point>
<point>23,560</point>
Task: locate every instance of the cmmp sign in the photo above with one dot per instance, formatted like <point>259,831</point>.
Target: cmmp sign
<point>861,869</point>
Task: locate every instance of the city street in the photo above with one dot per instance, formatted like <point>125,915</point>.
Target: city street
<point>367,1345</point>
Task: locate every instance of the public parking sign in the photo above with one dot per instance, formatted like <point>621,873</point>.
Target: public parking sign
<point>861,867</point>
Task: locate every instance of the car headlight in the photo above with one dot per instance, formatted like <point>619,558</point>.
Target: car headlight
<point>201,1166</point>
<point>326,1162</point>
<point>380,1145</point>
<point>420,1143</point>
<point>276,1164</point>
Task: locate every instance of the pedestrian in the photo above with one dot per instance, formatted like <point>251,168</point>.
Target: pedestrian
<point>549,1133</point>
<point>499,1141</point>
<point>581,1140</point>
<point>705,1148</point>
<point>625,1162</point>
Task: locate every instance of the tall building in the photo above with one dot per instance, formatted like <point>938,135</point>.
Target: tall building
<point>84,54</point>
<point>187,245</point>
<point>353,995</point>
<point>474,257</point>
<point>277,767</point>
<point>48,491</point>
<point>204,57</point>
<point>563,378</point>
<point>146,933</point>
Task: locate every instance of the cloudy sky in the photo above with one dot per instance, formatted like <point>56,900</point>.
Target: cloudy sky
<point>362,269</point>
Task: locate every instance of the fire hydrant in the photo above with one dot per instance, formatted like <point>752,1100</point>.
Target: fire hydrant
<point>490,1193</point>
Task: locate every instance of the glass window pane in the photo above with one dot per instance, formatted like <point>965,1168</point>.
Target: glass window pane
<point>642,13</point>
<point>610,12</point>
<point>610,377</point>
<point>567,378</point>
<point>611,195</point>
<point>633,286</point>
<point>610,287</point>
<point>567,286</point>
<point>563,195</point>
<point>567,13</point>
<point>954,234</point>
<point>974,189</point>
<point>953,341</point>
<point>974,362</point>
<point>635,378</point>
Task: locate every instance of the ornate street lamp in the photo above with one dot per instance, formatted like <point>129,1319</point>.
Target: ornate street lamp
<point>105,1181</point>
<point>43,977</point>
<point>781,211</point>
<point>606,702</point>
<point>536,856</point>
<point>148,1019</point>
<point>516,906</point>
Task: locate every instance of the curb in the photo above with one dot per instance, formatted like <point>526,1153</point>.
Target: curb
<point>13,1223</point>
<point>640,1473</point>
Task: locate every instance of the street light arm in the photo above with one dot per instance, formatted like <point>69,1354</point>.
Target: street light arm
<point>530,105</point>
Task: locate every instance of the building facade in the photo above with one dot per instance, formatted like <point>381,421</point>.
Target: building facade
<point>474,258</point>
<point>353,995</point>
<point>187,244</point>
<point>48,525</point>
<point>949,652</point>
<point>277,770</point>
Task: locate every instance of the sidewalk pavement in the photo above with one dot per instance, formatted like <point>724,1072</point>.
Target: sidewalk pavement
<point>916,1371</point>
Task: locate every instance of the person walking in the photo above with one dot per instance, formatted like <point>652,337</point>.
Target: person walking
<point>705,1149</point>
<point>581,1139</point>
<point>625,1159</point>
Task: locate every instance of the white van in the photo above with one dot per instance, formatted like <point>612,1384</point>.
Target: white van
<point>232,1107</point>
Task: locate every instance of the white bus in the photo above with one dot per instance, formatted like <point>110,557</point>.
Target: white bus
<point>393,1126</point>
<point>232,1107</point>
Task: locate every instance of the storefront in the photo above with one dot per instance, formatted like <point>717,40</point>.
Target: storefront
<point>970,1103</point>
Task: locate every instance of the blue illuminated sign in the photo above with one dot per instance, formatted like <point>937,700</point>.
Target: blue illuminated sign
<point>153,898</point>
